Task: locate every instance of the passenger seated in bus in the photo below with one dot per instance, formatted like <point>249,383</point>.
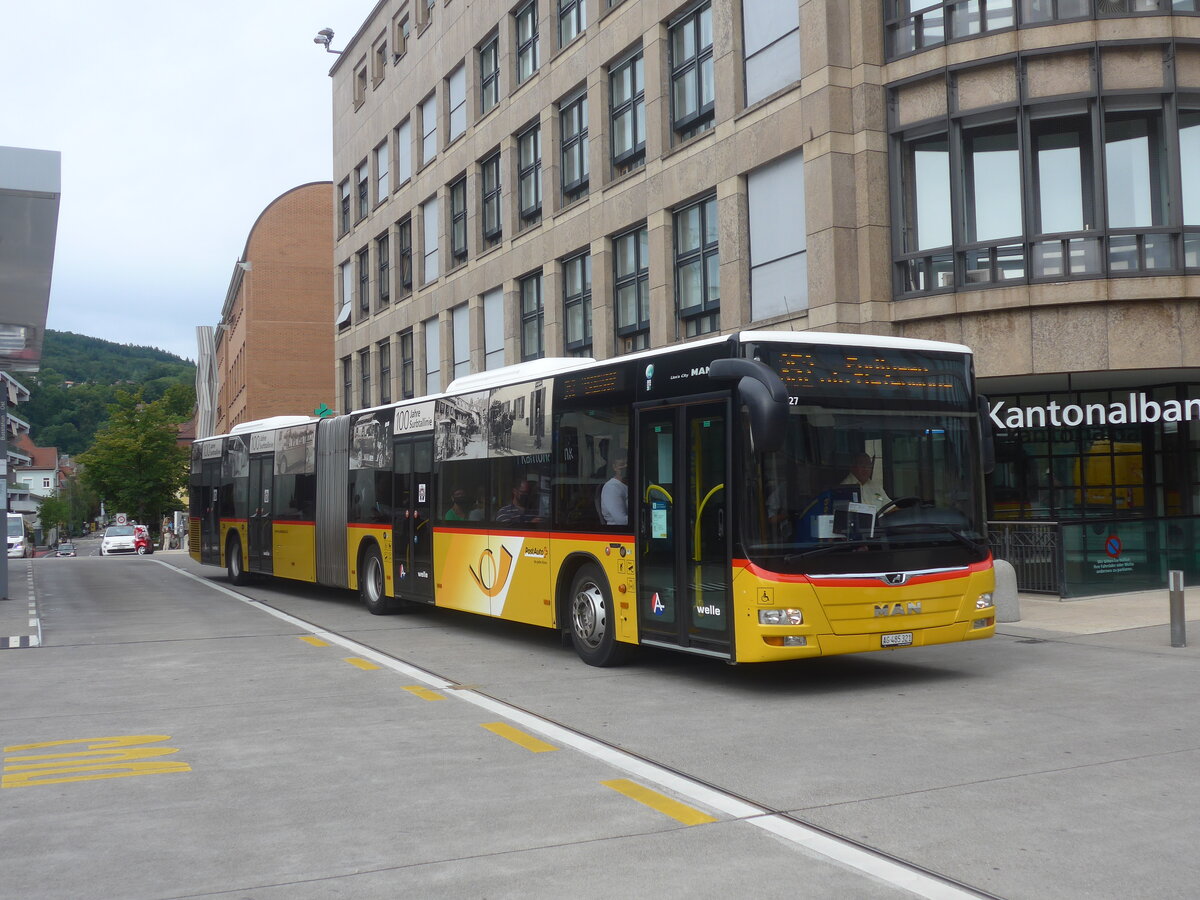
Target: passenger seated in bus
<point>870,491</point>
<point>476,512</point>
<point>458,511</point>
<point>614,497</point>
<point>521,509</point>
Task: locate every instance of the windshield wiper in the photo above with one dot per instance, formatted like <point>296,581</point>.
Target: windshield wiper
<point>829,548</point>
<point>917,527</point>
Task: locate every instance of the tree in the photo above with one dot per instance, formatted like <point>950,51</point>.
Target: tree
<point>54,512</point>
<point>135,464</point>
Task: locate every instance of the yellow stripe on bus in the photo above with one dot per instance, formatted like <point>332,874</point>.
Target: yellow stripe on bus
<point>528,741</point>
<point>680,812</point>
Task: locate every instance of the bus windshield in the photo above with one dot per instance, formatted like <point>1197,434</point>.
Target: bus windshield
<point>16,526</point>
<point>867,491</point>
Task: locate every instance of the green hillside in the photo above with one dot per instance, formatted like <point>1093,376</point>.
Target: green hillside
<point>80,376</point>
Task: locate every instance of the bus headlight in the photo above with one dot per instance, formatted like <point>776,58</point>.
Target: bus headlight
<point>985,600</point>
<point>780,617</point>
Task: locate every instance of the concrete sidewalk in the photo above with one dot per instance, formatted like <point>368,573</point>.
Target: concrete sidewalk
<point>1098,615</point>
<point>20,625</point>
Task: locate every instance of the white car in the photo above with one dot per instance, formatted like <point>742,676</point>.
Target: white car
<point>117,539</point>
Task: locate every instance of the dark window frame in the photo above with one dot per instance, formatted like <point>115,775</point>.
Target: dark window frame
<point>703,317</point>
<point>491,217</point>
<point>583,299</point>
<point>692,67</point>
<point>573,113</point>
<point>635,155</point>
<point>457,193</point>
<point>533,313</point>
<point>530,173</point>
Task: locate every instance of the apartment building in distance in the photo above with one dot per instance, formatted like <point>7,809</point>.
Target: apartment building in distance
<point>272,353</point>
<point>581,177</point>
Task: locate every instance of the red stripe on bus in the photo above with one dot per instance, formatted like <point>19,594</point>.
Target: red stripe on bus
<point>856,581</point>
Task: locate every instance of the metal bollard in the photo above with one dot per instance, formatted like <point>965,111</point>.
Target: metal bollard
<point>1178,621</point>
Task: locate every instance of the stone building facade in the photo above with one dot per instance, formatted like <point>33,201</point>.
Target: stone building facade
<point>562,177</point>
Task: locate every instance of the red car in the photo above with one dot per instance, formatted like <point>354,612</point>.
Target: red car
<point>141,540</point>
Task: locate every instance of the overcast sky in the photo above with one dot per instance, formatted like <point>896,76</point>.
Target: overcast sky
<point>178,124</point>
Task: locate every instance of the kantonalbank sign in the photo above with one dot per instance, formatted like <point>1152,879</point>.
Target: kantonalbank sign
<point>1138,410</point>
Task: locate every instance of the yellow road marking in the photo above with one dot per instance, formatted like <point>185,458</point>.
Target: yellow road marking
<point>315,641</point>
<point>361,663</point>
<point>680,812</point>
<point>528,741</point>
<point>423,693</point>
<point>105,757</point>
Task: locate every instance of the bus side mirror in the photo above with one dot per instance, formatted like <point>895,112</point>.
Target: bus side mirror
<point>987,437</point>
<point>763,394</point>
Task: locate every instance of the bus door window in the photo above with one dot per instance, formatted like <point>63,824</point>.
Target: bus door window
<point>421,496</point>
<point>259,520</point>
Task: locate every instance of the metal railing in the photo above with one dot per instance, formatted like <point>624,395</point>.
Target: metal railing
<point>1035,551</point>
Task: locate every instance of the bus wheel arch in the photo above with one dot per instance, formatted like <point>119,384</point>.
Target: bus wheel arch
<point>372,584</point>
<point>588,614</point>
<point>234,564</point>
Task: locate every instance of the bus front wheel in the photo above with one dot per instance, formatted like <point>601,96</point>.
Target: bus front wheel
<point>371,585</point>
<point>233,562</point>
<point>594,621</point>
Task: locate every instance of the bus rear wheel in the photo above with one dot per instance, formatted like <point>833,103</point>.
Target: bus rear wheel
<point>233,562</point>
<point>372,587</point>
<point>594,621</point>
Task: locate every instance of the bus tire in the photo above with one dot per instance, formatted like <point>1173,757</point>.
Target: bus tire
<point>372,586</point>
<point>233,562</point>
<point>593,620</point>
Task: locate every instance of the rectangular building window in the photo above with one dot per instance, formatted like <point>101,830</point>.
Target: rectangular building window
<point>489,75</point>
<point>404,253</point>
<point>692,103</point>
<point>461,338</point>
<point>429,129</point>
<point>347,384</point>
<point>532,316</point>
<point>403,151</point>
<point>631,289</point>
<point>493,329</point>
<point>489,199</point>
<point>344,208</point>
<point>364,281</point>
<point>400,36</point>
<point>778,243</point>
<point>529,175</point>
<point>457,90</point>
<point>384,354</point>
<point>382,165</point>
<point>433,355</point>
<point>572,18</point>
<point>379,63</point>
<point>577,305</point>
<point>527,41</point>
<point>458,221</point>
<point>573,117</point>
<point>360,86</point>
<point>361,180</point>
<point>697,269</point>
<point>347,284</point>
<point>628,114</point>
<point>429,230</point>
<point>364,374</point>
<point>408,386</point>
<point>383,270</point>
<point>771,35</point>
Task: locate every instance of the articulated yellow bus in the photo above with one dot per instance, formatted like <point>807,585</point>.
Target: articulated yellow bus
<point>761,496</point>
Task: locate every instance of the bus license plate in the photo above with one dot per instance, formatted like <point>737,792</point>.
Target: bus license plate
<point>903,639</point>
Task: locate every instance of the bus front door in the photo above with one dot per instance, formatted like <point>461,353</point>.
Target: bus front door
<point>412,529</point>
<point>210,515</point>
<point>683,528</point>
<point>258,526</point>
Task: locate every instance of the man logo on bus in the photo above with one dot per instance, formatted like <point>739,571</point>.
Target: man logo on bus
<point>490,577</point>
<point>649,375</point>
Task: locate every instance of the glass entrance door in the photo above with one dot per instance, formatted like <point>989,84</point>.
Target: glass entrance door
<point>258,525</point>
<point>683,528</point>
<point>412,528</point>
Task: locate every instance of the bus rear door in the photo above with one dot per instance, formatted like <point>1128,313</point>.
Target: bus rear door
<point>412,528</point>
<point>259,525</point>
<point>683,527</point>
